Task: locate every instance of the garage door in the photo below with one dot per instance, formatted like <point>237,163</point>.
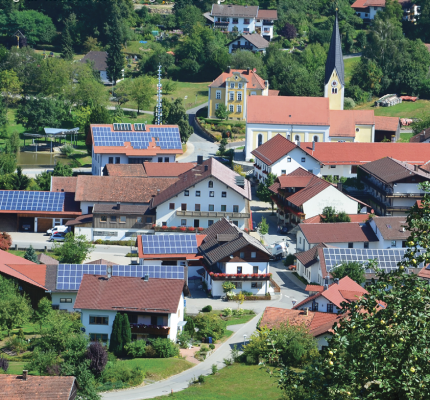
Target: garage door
<point>43,224</point>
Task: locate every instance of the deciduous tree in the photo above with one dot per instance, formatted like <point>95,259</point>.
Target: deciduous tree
<point>5,241</point>
<point>18,180</point>
<point>98,357</point>
<point>10,86</point>
<point>222,112</point>
<point>353,270</point>
<point>331,215</point>
<point>263,192</point>
<point>142,90</point>
<point>74,249</point>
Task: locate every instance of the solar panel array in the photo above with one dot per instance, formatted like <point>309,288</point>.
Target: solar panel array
<point>23,200</point>
<point>169,244</point>
<point>69,276</point>
<point>387,258</point>
<point>122,127</point>
<point>165,138</point>
<point>139,127</point>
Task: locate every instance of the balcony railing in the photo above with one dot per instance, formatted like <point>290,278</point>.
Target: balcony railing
<point>406,195</point>
<point>221,23</point>
<point>378,187</point>
<point>150,329</point>
<point>235,277</point>
<point>219,214</point>
<point>242,46</point>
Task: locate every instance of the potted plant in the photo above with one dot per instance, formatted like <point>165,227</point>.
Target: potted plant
<point>182,228</point>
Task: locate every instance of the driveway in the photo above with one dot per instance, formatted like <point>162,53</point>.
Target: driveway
<point>202,147</point>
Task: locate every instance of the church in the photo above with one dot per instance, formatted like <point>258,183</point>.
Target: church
<point>316,119</point>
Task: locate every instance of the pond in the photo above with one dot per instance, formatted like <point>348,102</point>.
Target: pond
<point>39,159</point>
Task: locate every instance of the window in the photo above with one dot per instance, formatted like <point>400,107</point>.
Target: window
<point>97,337</point>
<point>231,86</point>
<point>289,137</point>
<point>393,243</point>
<point>122,219</point>
<point>315,306</point>
<point>166,159</point>
<point>139,220</point>
<point>184,207</point>
<point>171,206</point>
<point>238,285</point>
<point>99,320</point>
<point>183,222</point>
<point>266,30</point>
<point>216,106</point>
<point>218,95</point>
<point>197,207</point>
<point>297,138</point>
<point>245,30</point>
<point>246,21</point>
<point>260,140</point>
<point>164,224</point>
<point>223,194</point>
<point>148,220</point>
<point>330,307</point>
<point>231,96</point>
<point>235,20</point>
<point>300,240</point>
<point>332,166</point>
<point>236,223</point>
<point>211,193</point>
<point>117,160</point>
<point>55,307</point>
<point>350,245</point>
<point>66,300</point>
<point>253,93</point>
<point>239,85</point>
<point>242,254</point>
<point>303,159</point>
<point>160,159</point>
<point>253,254</point>
<point>239,270</point>
<point>315,138</point>
<point>103,218</point>
<point>256,285</point>
<point>210,184</point>
<point>197,193</point>
<point>231,108</point>
<point>366,245</point>
<point>353,169</point>
<point>210,222</point>
<point>211,207</point>
<point>110,160</point>
<point>334,90</point>
<point>223,208</point>
<point>288,159</point>
<point>235,209</point>
<point>283,171</point>
<point>255,270</point>
<point>113,218</point>
<point>239,96</point>
<point>186,193</point>
<point>239,109</point>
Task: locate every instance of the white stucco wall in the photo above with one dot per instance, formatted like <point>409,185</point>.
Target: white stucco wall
<point>174,318</point>
<point>322,305</point>
<point>88,232</point>
<point>56,300</point>
<point>339,170</point>
<point>322,340</point>
<point>217,290</point>
<point>247,268</point>
<point>101,329</point>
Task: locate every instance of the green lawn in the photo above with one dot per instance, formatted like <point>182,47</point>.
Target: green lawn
<point>239,320</point>
<point>407,109</point>
<point>15,368</point>
<point>349,66</point>
<point>159,368</point>
<point>238,382</point>
<point>405,137</point>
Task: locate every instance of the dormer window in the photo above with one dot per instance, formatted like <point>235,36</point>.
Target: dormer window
<point>210,184</point>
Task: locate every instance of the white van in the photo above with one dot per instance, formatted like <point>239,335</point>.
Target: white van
<point>58,228</point>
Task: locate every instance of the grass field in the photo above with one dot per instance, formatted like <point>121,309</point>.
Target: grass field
<point>15,367</point>
<point>20,253</point>
<point>238,382</point>
<point>159,368</point>
<point>349,66</point>
<point>407,109</point>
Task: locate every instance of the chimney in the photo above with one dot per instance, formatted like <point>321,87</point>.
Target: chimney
<point>118,205</point>
<point>422,137</point>
<point>415,167</point>
<point>336,280</point>
<point>206,167</point>
<point>393,138</point>
<point>24,374</point>
<point>240,234</point>
<point>109,272</point>
<point>255,70</point>
<point>146,278</point>
<point>228,69</point>
<point>199,160</point>
<point>313,146</point>
<point>247,71</point>
<point>339,186</point>
<point>307,311</point>
<point>325,286</point>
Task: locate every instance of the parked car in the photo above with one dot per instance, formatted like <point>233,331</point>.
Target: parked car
<point>58,237</point>
<point>284,230</point>
<point>58,228</point>
<point>278,250</point>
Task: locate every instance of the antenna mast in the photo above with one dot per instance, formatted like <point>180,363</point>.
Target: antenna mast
<point>159,110</point>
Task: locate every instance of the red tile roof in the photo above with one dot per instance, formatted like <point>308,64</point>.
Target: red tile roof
<point>274,149</point>
<point>126,293</point>
<point>14,387</point>
<point>390,124</point>
<point>288,110</point>
<point>342,122</point>
<point>316,322</point>
<point>287,181</point>
<point>267,14</point>
<point>353,217</point>
<point>167,169</point>
<point>314,288</point>
<point>349,153</point>
<point>374,3</point>
<point>253,79</point>
<point>309,257</point>
<point>338,232</point>
<point>63,183</point>
<point>425,272</point>
<point>273,92</point>
<point>134,170</point>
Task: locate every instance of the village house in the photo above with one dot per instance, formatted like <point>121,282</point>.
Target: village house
<point>155,307</point>
<point>392,186</point>
<point>252,42</point>
<point>367,9</point>
<point>133,144</point>
<point>234,88</point>
<point>98,61</point>
<point>230,254</point>
<point>203,195</point>
<point>391,232</point>
<point>244,19</point>
<point>301,194</point>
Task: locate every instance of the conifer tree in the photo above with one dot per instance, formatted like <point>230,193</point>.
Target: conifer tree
<point>115,343</point>
<point>125,332</point>
<point>30,255</point>
<point>115,58</point>
<point>67,42</point>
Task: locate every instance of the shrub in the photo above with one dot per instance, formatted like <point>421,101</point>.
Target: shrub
<point>17,344</point>
<point>207,309</point>
<point>120,372</point>
<point>227,312</point>
<point>136,348</point>
<point>165,348</point>
<point>4,364</point>
<point>67,149</point>
<point>290,259</point>
<point>150,352</point>
<point>209,325</point>
<point>211,346</point>
<point>98,241</point>
<point>74,163</point>
<point>214,369</point>
<point>348,103</point>
<point>184,339</point>
<point>5,241</point>
<point>98,357</point>
<point>228,286</point>
<point>227,361</point>
<point>133,114</point>
<point>201,379</point>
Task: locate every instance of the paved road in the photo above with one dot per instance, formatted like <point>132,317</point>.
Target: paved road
<point>345,57</point>
<point>235,144</point>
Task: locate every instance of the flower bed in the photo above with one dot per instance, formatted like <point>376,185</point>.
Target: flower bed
<point>216,276</point>
<point>255,297</point>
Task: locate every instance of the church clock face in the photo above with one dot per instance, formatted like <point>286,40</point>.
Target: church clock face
<point>334,83</point>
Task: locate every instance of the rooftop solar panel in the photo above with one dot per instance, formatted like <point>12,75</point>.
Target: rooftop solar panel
<point>20,200</point>
<point>169,244</point>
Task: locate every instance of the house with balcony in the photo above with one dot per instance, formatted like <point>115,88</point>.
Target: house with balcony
<point>367,9</point>
<point>230,254</point>
<point>244,19</point>
<point>133,144</point>
<point>234,88</point>
<point>155,307</point>
<point>392,186</point>
<point>252,42</point>
<point>203,195</point>
<point>301,194</point>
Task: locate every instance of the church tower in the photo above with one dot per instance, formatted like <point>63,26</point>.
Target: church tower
<point>334,82</point>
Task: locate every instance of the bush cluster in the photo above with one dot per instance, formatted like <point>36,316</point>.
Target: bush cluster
<point>154,348</point>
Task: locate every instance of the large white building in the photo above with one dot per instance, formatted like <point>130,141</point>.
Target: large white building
<point>203,195</point>
<point>367,9</point>
<point>133,144</point>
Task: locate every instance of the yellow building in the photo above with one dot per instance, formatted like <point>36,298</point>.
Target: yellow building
<point>232,88</point>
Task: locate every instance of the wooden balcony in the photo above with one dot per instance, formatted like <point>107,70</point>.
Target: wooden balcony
<point>242,47</point>
<point>149,329</point>
<point>216,214</point>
